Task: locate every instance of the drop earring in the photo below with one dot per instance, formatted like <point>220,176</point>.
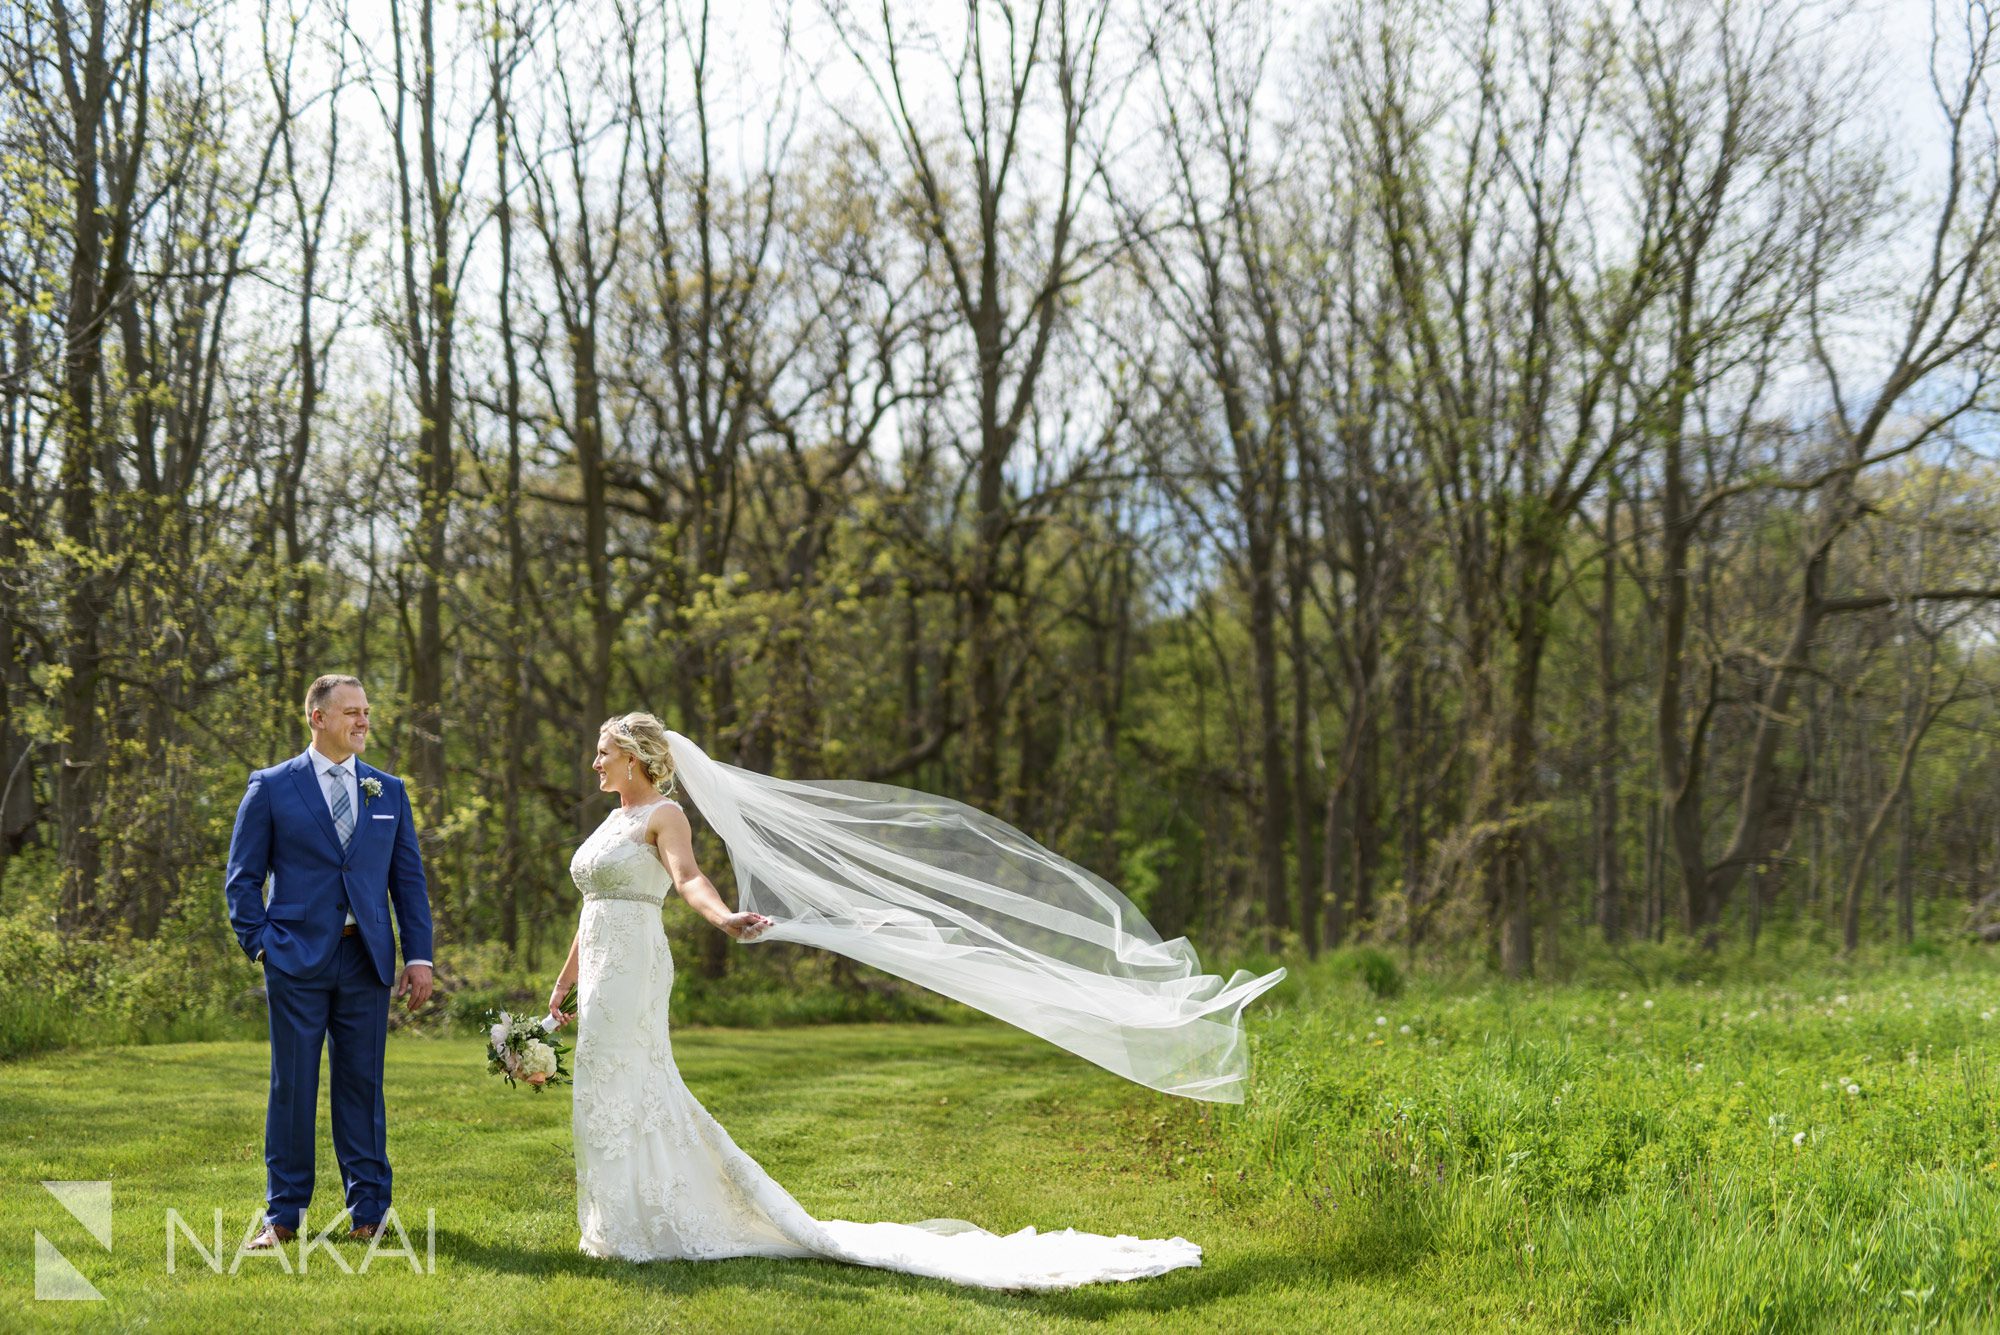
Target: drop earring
<point>628,769</point>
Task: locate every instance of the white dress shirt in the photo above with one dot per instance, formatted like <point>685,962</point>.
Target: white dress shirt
<point>323,768</point>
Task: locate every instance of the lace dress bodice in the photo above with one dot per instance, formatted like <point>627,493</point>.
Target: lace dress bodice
<point>616,862</point>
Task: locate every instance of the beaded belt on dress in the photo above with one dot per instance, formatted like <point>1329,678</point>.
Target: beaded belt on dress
<point>633,895</point>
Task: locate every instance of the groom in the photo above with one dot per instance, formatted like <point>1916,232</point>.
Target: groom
<point>335,841</point>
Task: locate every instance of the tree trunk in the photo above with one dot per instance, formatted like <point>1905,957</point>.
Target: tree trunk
<point>514,684</point>
<point>1512,865</point>
<point>1864,856</point>
<point>603,612</point>
<point>17,771</point>
<point>1906,899</point>
<point>1273,809</point>
<point>1302,804</point>
<point>101,196</point>
<point>1333,855</point>
<point>1410,715</point>
<point>1749,843</point>
<point>1610,891</point>
<point>430,311</point>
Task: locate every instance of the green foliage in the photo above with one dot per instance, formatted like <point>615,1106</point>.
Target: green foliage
<point>186,984</point>
<point>1373,968</point>
<point>91,992</point>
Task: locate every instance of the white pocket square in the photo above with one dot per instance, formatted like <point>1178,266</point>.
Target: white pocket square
<point>391,817</point>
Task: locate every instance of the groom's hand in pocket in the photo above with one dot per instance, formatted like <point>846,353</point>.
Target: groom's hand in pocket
<point>416,983</point>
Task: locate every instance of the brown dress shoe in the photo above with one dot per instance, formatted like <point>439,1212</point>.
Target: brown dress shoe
<point>272,1235</point>
<point>363,1232</point>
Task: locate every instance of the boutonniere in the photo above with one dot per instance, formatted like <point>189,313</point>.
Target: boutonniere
<point>371,785</point>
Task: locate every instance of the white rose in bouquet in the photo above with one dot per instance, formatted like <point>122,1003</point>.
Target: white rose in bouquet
<point>538,1062</point>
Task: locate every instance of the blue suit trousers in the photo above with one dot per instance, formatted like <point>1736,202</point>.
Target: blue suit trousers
<point>345,1008</point>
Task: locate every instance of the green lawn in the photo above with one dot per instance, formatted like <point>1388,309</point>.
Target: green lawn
<point>860,1122</point>
<point>1812,1149</point>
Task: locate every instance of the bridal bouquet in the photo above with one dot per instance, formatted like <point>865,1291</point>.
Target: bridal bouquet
<point>521,1047</point>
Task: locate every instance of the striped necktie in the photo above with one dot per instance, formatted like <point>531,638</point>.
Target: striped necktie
<point>343,809</point>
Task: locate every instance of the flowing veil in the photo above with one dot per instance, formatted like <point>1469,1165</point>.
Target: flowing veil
<point>949,897</point>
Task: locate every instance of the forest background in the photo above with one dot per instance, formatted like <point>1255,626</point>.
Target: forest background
<point>1505,483</point>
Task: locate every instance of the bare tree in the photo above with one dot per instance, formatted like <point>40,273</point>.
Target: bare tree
<point>508,31</point>
<point>1512,350</point>
<point>430,258</point>
<point>1007,262</point>
<point>1941,362</point>
<point>1218,289</point>
<point>583,225</point>
<point>310,171</point>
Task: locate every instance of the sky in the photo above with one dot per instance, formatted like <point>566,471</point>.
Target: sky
<point>760,47</point>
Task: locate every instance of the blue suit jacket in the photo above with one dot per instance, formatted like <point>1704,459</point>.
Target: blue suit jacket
<point>284,831</point>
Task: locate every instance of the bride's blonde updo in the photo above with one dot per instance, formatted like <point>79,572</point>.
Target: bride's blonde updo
<point>645,739</point>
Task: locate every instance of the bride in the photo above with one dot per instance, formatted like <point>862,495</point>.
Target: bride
<point>658,1178</point>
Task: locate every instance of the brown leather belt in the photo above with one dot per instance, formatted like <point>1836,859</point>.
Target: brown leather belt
<point>350,930</point>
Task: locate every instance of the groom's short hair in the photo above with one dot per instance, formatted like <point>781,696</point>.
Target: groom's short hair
<point>324,686</point>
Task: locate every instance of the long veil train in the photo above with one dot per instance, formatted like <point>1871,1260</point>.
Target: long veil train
<point>958,901</point>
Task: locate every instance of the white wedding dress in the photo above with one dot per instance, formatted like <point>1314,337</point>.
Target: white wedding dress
<point>657,1178</point>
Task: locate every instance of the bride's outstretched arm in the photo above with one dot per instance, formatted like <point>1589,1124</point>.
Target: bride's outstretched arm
<point>671,836</point>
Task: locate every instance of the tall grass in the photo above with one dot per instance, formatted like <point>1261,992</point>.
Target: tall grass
<point>1783,1153</point>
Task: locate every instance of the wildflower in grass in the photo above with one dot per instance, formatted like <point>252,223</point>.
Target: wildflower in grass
<point>1381,1020</point>
<point>1853,1088</point>
<point>1798,1140</point>
<point>1647,1003</point>
<point>1404,1029</point>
